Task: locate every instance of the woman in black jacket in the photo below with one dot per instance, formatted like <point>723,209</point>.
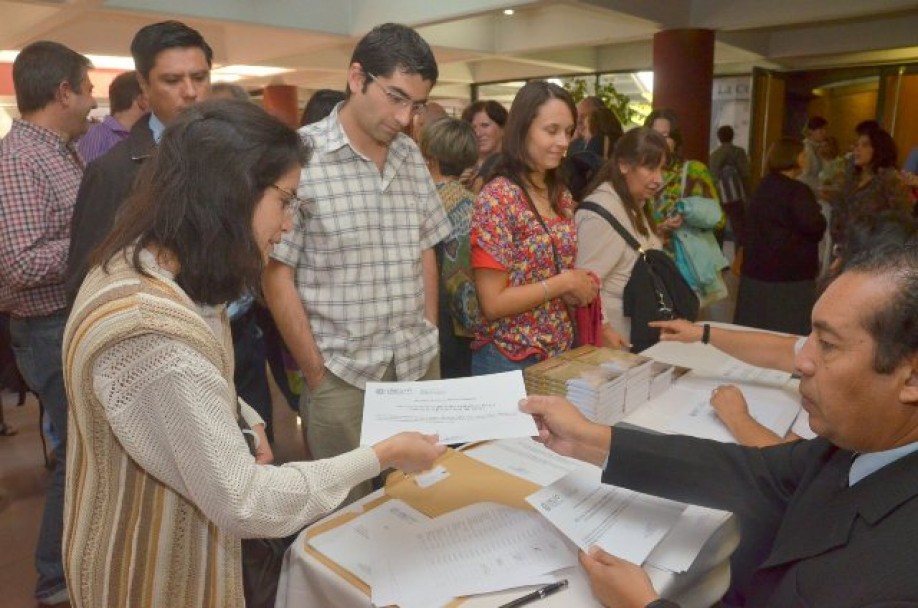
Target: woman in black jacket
<point>784,226</point>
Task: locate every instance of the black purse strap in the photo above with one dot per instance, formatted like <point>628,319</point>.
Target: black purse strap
<point>595,208</point>
<point>664,305</point>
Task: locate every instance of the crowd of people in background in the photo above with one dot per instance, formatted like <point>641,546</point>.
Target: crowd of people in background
<point>388,240</point>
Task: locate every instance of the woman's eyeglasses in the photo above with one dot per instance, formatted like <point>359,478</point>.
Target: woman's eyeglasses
<point>292,203</point>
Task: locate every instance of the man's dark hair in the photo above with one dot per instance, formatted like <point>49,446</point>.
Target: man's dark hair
<point>40,68</point>
<point>514,163</point>
<point>725,134</point>
<point>494,109</point>
<point>392,47</point>
<point>894,326</point>
<point>197,195</point>
<point>816,122</point>
<point>866,126</point>
<point>152,39</point>
<point>122,92</point>
<point>321,105</point>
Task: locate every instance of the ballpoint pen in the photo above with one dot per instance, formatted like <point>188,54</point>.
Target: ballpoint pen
<point>536,595</point>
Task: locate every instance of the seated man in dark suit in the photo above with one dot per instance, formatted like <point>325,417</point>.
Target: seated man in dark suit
<point>828,522</point>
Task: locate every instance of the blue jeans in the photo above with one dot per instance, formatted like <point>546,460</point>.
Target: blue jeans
<point>489,360</point>
<point>37,344</point>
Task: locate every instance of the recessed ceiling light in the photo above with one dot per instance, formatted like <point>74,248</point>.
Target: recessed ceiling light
<point>508,11</point>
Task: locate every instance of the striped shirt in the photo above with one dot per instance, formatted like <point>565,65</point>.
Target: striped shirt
<point>101,138</point>
<point>356,247</point>
<point>39,177</point>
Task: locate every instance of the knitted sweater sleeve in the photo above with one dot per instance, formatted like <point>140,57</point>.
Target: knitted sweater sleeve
<point>172,411</point>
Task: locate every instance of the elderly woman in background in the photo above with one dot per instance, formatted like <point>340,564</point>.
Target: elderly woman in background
<point>625,187</point>
<point>523,239</point>
<point>874,184</point>
<point>161,484</point>
<point>777,288</point>
<point>487,119</point>
<point>449,147</point>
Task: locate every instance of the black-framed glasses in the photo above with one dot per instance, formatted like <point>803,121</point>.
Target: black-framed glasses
<point>400,99</point>
<point>293,202</point>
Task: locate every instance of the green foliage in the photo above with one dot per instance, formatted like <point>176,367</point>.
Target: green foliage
<point>628,112</point>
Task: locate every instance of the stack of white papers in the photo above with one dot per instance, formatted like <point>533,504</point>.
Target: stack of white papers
<point>414,561</point>
<point>633,526</point>
<point>624,523</point>
<point>350,545</point>
<point>529,460</point>
<point>477,549</point>
<point>689,404</point>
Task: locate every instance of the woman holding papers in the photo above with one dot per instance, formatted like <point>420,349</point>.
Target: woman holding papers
<point>622,187</point>
<point>523,239</point>
<point>161,484</point>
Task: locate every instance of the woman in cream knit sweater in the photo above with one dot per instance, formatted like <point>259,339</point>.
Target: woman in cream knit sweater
<point>161,484</point>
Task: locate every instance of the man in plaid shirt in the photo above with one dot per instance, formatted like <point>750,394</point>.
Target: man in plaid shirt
<point>353,287</point>
<point>40,173</point>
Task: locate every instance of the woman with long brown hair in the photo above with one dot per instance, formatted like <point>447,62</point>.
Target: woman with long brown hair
<point>523,239</point>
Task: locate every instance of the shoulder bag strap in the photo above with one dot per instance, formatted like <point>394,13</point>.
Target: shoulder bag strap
<point>532,207</point>
<point>598,210</point>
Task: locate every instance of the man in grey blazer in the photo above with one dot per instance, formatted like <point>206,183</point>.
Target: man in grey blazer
<point>828,522</point>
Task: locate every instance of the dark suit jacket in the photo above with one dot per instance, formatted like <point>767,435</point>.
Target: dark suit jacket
<point>106,183</point>
<point>807,538</point>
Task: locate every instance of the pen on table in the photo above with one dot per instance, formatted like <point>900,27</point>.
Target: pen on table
<point>536,595</point>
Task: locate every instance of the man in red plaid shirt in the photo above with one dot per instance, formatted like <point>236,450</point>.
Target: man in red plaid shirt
<point>40,173</point>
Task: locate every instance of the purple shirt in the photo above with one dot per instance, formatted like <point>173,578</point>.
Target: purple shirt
<point>100,138</point>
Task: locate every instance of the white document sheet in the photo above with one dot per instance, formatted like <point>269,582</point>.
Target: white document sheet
<point>528,459</point>
<point>621,522</point>
<point>734,369</point>
<point>689,404</point>
<point>350,545</point>
<point>460,410</point>
<point>679,549</point>
<point>477,549</point>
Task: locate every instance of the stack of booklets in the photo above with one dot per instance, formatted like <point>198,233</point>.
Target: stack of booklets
<point>635,368</point>
<point>604,384</point>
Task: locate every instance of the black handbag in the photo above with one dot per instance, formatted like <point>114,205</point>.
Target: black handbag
<point>655,291</point>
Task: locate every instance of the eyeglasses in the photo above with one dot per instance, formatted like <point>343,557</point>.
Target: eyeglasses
<point>292,203</point>
<point>399,99</point>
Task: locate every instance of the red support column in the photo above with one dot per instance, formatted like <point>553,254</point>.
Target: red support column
<point>683,80</point>
<point>280,100</point>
